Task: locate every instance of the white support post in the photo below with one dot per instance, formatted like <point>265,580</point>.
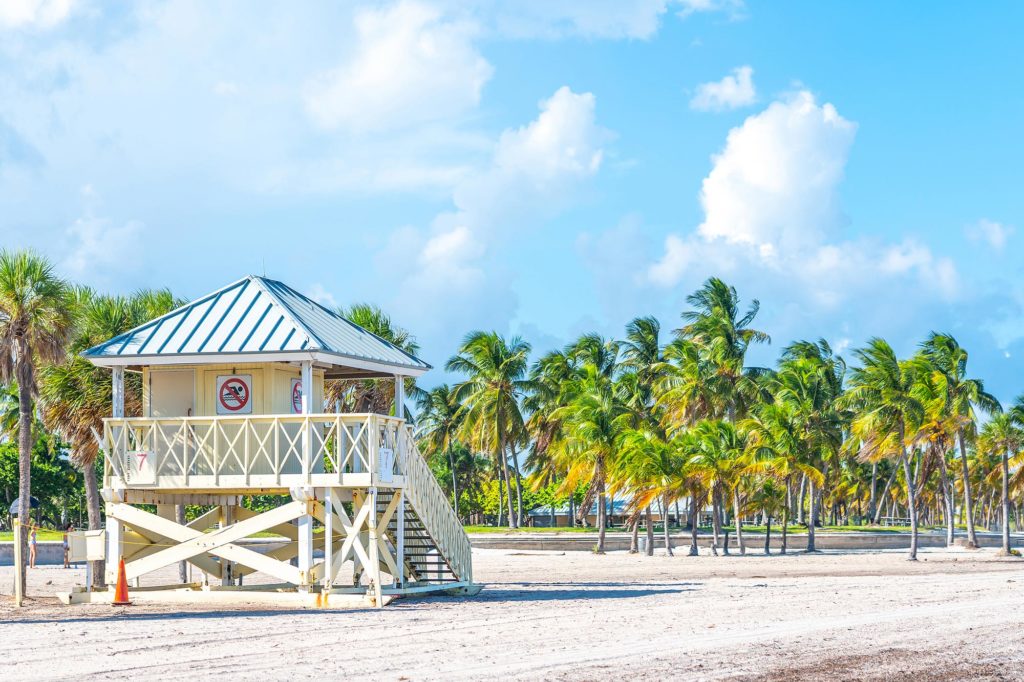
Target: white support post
<point>115,534</point>
<point>305,522</point>
<point>400,540</point>
<point>400,396</point>
<point>373,547</point>
<point>328,538</point>
<point>227,572</point>
<point>117,408</point>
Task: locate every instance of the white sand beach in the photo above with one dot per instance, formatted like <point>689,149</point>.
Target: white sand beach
<point>855,616</point>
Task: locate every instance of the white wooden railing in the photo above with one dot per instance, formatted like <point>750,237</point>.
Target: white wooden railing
<point>433,508</point>
<point>267,451</point>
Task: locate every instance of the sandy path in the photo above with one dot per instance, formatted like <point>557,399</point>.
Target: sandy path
<point>955,615</point>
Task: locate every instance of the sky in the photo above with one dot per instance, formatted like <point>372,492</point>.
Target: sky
<point>542,168</point>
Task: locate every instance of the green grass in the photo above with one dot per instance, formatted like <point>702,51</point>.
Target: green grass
<point>41,536</point>
<point>793,528</point>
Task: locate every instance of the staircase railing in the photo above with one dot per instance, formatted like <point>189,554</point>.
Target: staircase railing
<point>432,506</point>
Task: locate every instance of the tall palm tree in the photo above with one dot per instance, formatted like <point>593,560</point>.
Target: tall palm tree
<point>76,395</point>
<point>440,420</point>
<point>1002,434</point>
<point>651,469</point>
<point>593,423</point>
<point>496,381</point>
<point>881,393</point>
<point>718,453</point>
<point>35,322</point>
<point>964,397</point>
<point>723,335</point>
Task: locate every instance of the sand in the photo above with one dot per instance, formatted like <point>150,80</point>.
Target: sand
<point>575,616</point>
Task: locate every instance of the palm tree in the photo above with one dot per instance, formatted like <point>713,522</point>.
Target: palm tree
<point>372,395</point>
<point>769,498</point>
<point>592,424</point>
<point>35,322</point>
<point>718,452</point>
<point>724,337</point>
<point>76,395</point>
<point>964,395</point>
<point>881,392</point>
<point>809,382</point>
<point>440,420</point>
<point>496,372</point>
<point>1002,434</point>
<point>651,469</point>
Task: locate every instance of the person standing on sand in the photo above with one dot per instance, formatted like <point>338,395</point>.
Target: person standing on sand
<point>32,549</point>
<point>67,550</point>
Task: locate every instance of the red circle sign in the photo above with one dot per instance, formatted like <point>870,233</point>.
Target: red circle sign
<point>234,394</point>
<point>297,397</point>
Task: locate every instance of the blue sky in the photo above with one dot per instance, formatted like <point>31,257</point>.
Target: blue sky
<point>543,167</point>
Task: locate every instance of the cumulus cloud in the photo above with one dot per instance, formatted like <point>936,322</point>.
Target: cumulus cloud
<point>732,92</point>
<point>771,207</point>
<point>39,14</point>
<point>775,183</point>
<point>411,64</point>
<point>992,233</point>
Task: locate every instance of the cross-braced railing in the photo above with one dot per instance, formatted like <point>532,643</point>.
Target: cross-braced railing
<point>267,451</point>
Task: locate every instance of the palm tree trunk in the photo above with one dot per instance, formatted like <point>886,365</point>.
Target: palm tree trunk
<point>874,485</point>
<point>1006,502</point>
<point>768,534</point>
<point>716,522</point>
<point>694,522</point>
<point>92,502</point>
<point>601,520</point>
<point>813,516</point>
<point>519,489</point>
<point>650,532</point>
<point>664,522</point>
<point>501,496</point>
<point>455,485</point>
<point>972,536</point>
<point>739,521</point>
<point>911,505</point>
<point>634,535</point>
<point>512,520</point>
<point>947,498</point>
<point>24,467</point>
<point>800,500</point>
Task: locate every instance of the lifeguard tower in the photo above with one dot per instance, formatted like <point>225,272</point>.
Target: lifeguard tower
<point>233,387</point>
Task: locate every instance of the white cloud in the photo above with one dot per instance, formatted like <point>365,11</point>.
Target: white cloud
<point>732,92</point>
<point>993,233</point>
<point>99,246</point>
<point>775,182</point>
<point>40,14</point>
<point>411,64</point>
<point>771,207</point>
<point>735,8</point>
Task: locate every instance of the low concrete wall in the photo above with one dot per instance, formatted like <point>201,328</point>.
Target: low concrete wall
<point>585,542</point>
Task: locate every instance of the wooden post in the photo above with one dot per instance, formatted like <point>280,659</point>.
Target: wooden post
<point>374,567</point>
<point>328,539</point>
<point>115,529</point>
<point>400,396</point>
<point>400,540</point>
<point>305,522</point>
<point>226,567</point>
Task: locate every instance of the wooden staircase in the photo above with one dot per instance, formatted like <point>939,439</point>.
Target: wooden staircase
<point>425,563</point>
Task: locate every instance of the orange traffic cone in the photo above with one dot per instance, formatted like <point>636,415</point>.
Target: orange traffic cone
<point>121,590</point>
